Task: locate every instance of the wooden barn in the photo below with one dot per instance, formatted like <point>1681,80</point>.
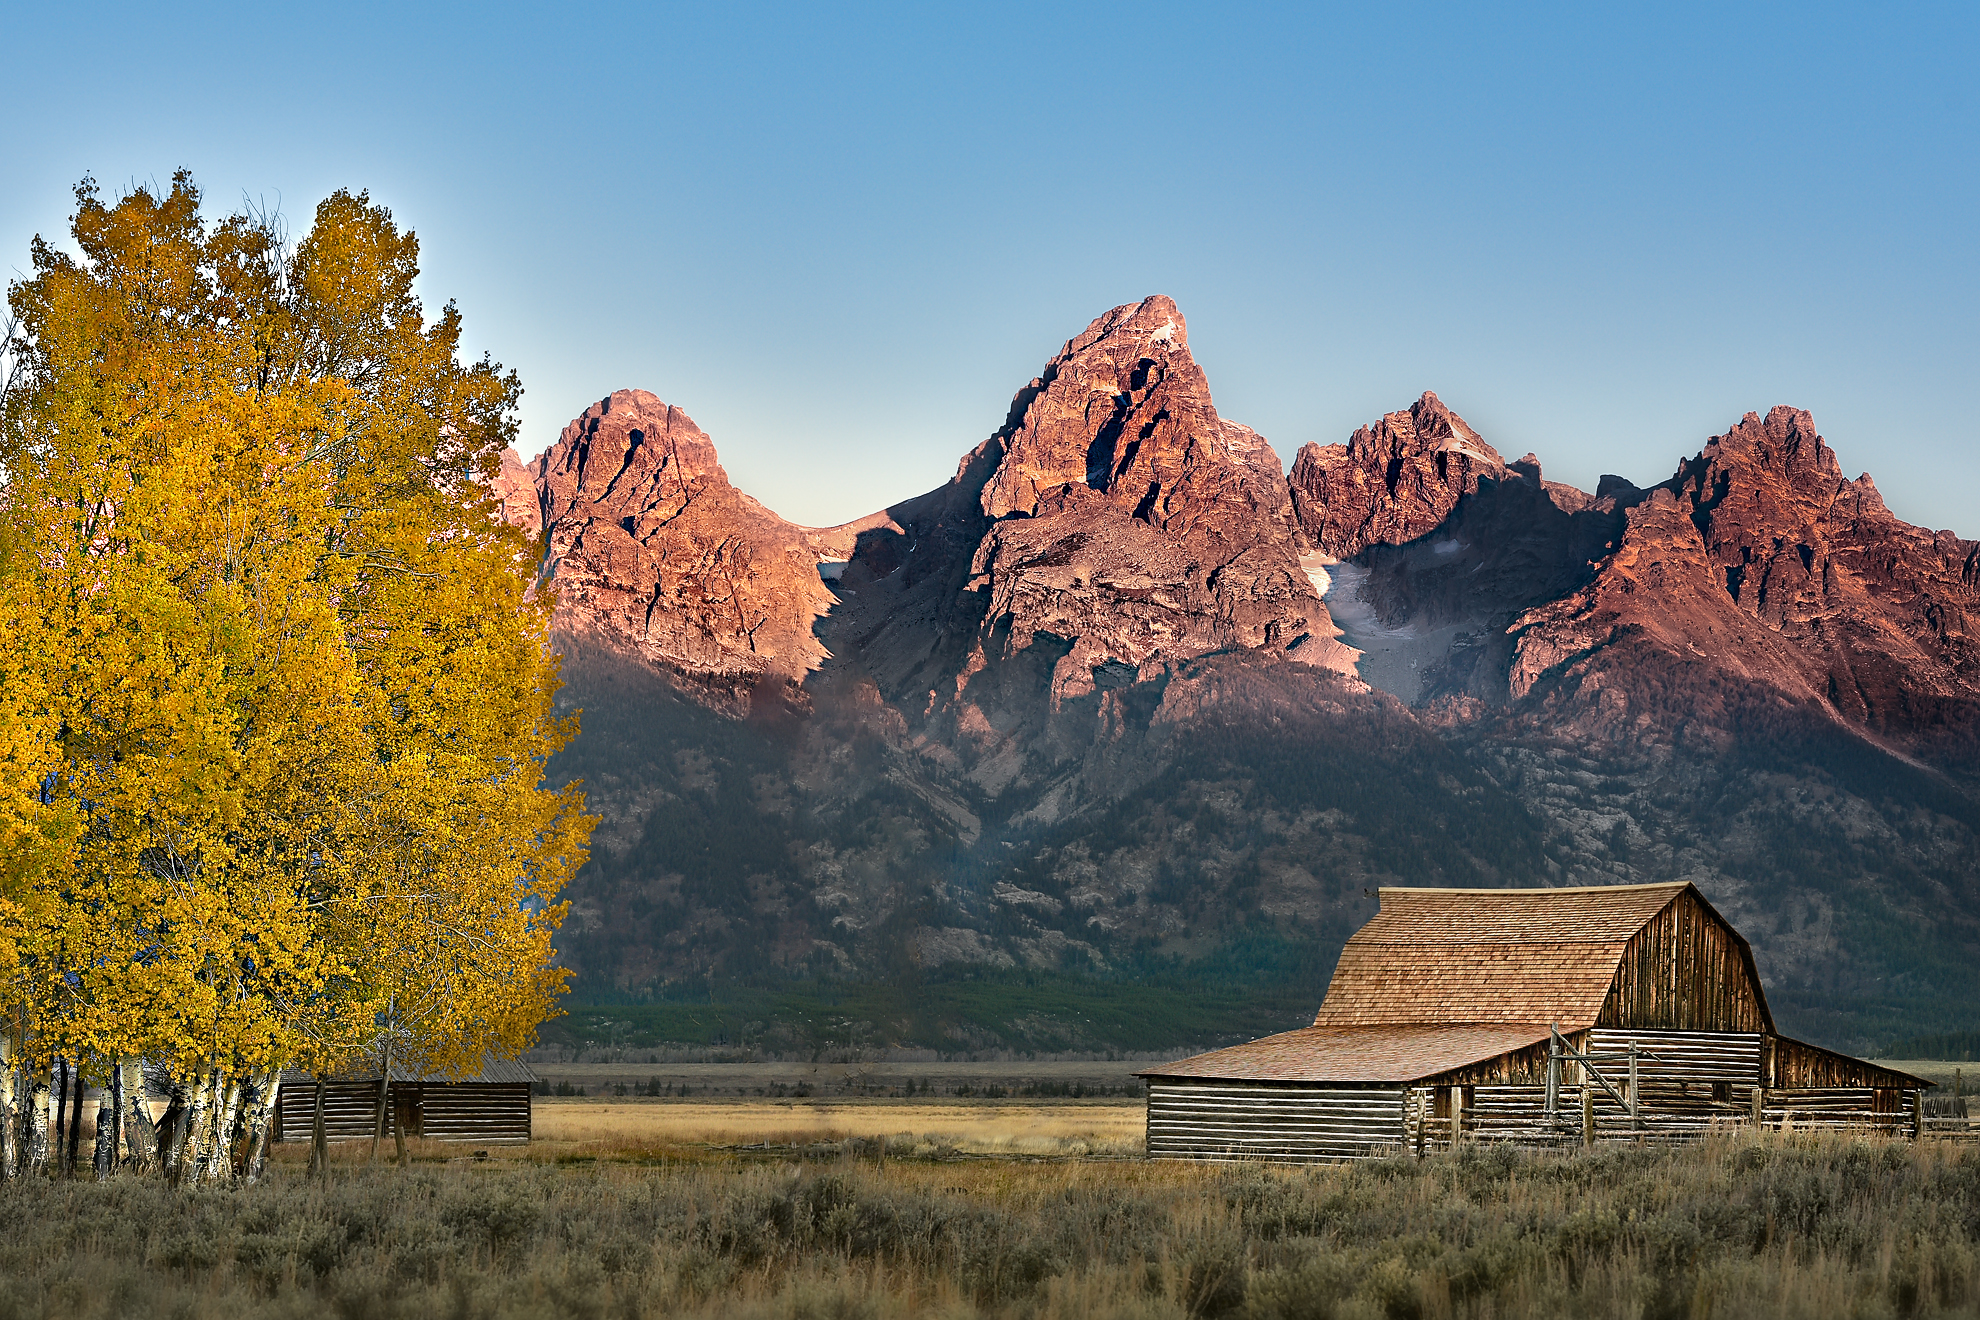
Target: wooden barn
<point>490,1108</point>
<point>1547,1016</point>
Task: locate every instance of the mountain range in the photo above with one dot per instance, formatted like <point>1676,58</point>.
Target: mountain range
<point>1124,700</point>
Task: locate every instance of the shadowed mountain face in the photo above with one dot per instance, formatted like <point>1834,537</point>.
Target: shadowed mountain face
<point>1122,695</point>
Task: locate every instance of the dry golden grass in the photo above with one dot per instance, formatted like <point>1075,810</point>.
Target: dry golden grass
<point>980,1127</point>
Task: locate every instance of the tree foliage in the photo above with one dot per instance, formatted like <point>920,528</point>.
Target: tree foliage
<point>274,699</point>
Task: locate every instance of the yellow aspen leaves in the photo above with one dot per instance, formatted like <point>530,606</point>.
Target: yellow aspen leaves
<point>274,707</point>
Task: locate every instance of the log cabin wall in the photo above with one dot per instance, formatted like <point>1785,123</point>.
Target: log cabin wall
<point>1681,1056</point>
<point>499,1114</point>
<point>1686,970</point>
<point>350,1111</point>
<point>1194,1119</point>
<point>495,1114</point>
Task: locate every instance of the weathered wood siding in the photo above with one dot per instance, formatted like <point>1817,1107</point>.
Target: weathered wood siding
<point>349,1111</point>
<point>1679,1056</point>
<point>1235,1121</point>
<point>1795,1063</point>
<point>1869,1108</point>
<point>1508,1069</point>
<point>496,1114</point>
<point>1686,970</point>
<point>476,1112</point>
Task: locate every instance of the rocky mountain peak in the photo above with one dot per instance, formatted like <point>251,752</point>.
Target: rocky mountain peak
<point>1114,528</point>
<point>1770,471</point>
<point>652,549</point>
<point>1393,481</point>
<point>1122,419</point>
<point>1760,562</point>
<point>1770,503</point>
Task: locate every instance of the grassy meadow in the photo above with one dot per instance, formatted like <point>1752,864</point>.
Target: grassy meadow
<point>926,1128</point>
<point>846,1210</point>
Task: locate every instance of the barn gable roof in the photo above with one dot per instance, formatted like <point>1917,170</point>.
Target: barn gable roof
<point>1508,956</point>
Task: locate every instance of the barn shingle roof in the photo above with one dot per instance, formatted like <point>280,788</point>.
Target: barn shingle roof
<point>1503,956</point>
<point>493,1070</point>
<point>1356,1054</point>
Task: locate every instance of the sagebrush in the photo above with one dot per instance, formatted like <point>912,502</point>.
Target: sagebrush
<point>1808,1226</point>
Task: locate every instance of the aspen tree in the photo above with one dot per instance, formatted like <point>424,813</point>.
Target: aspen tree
<point>274,707</point>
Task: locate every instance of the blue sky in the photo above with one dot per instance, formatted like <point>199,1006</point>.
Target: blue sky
<point>841,237</point>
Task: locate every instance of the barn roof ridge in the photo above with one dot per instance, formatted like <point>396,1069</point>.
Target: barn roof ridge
<point>1532,889</point>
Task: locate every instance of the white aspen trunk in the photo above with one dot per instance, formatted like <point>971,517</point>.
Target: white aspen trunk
<point>37,1118</point>
<point>140,1134</point>
<point>199,1117</point>
<point>106,1135</point>
<point>268,1093</point>
<point>59,1113</point>
<point>10,1118</point>
<point>220,1154</point>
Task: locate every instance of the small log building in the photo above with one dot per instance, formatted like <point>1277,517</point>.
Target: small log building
<point>492,1107</point>
<point>1547,1016</point>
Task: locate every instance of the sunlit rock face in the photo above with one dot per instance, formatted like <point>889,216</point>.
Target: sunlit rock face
<point>1391,482</point>
<point>1761,565</point>
<point>651,549</point>
<point>1115,521</point>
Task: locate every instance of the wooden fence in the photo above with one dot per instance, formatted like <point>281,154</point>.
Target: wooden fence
<point>1665,1111</point>
<point>1238,1121</point>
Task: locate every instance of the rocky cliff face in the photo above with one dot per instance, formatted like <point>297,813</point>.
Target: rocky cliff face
<point>1123,686</point>
<point>1760,563</point>
<point>1115,523</point>
<point>651,549</point>
<point>1391,482</point>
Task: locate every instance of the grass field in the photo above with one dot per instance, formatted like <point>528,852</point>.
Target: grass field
<point>984,1127</point>
<point>874,1209</point>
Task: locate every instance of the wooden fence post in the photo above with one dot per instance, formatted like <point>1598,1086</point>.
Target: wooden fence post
<point>1587,1114</point>
<point>319,1140</point>
<point>1759,1107</point>
<point>1553,1072</point>
<point>1635,1103</point>
<point>1917,1113</point>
